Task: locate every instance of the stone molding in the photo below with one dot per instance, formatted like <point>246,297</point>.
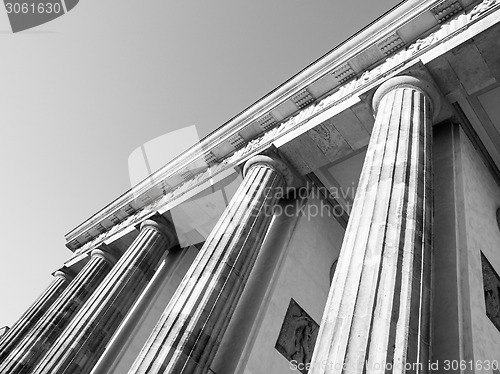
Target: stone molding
<point>354,86</point>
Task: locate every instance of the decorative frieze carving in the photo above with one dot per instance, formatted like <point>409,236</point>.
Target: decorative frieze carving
<point>481,8</point>
<point>491,284</point>
<point>297,337</point>
<point>421,44</point>
<point>329,140</point>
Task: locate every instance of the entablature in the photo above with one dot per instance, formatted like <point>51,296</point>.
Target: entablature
<point>411,33</point>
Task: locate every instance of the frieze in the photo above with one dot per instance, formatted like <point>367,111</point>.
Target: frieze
<point>446,30</point>
<point>482,8</point>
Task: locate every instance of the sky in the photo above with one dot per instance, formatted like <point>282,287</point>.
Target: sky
<point>79,94</point>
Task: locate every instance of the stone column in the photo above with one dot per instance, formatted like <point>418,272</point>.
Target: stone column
<point>84,340</point>
<point>377,313</point>
<point>9,341</point>
<point>188,334</point>
<point>50,326</point>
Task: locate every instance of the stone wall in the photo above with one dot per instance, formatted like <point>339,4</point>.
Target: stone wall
<point>466,198</point>
<point>482,199</point>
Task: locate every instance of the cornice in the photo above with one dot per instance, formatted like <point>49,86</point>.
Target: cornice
<point>155,191</point>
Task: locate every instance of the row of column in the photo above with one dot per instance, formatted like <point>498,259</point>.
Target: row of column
<point>69,335</point>
<point>377,309</point>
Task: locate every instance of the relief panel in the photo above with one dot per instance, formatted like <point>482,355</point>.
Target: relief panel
<point>297,336</point>
<point>491,284</point>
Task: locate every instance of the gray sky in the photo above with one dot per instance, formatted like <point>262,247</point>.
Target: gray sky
<point>79,94</point>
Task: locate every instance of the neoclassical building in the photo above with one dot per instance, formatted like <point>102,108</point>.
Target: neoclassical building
<point>348,222</point>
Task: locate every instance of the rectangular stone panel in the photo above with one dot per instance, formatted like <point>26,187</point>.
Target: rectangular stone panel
<point>491,284</point>
<point>297,337</point>
<point>329,140</point>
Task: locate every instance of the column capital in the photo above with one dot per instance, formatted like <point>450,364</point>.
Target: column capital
<point>408,81</point>
<point>277,165</point>
<point>106,254</point>
<point>165,228</point>
<point>65,274</point>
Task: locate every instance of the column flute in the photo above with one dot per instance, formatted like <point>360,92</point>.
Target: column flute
<point>187,336</point>
<point>23,358</point>
<point>377,312</point>
<point>84,339</point>
<point>12,338</point>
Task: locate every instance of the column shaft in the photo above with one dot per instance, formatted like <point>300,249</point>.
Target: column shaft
<point>23,358</point>
<point>376,317</point>
<point>84,340</point>
<point>188,334</point>
<point>9,341</point>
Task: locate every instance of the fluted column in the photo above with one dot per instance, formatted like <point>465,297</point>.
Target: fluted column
<point>377,313</point>
<point>49,327</point>
<point>84,340</point>
<point>188,334</point>
<point>9,341</point>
